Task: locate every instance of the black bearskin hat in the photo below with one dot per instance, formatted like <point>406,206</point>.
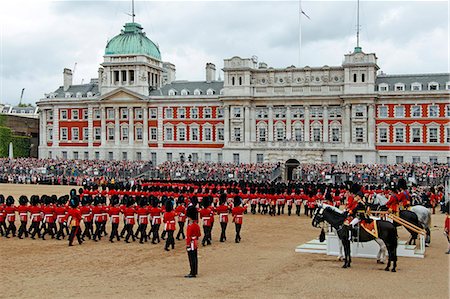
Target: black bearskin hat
<point>2,199</point>
<point>401,184</point>
<point>194,200</point>
<point>169,205</point>
<point>355,188</point>
<point>237,201</point>
<point>114,200</point>
<point>180,200</point>
<point>205,202</point>
<point>191,212</point>
<point>9,200</point>
<point>73,192</point>
<point>34,200</point>
<point>74,202</point>
<point>222,198</point>
<point>23,200</point>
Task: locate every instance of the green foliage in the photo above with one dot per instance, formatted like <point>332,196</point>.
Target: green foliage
<point>2,120</point>
<point>5,139</point>
<point>21,146</point>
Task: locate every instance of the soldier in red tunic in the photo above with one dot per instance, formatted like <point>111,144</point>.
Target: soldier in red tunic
<point>222,211</point>
<point>180,211</point>
<point>206,214</point>
<point>75,220</point>
<point>98,214</point>
<point>22,209</point>
<point>114,216</point>
<point>403,196</point>
<point>142,214</point>
<point>49,217</point>
<point>86,213</point>
<point>237,214</point>
<point>169,224</point>
<point>36,217</point>
<point>2,215</point>
<point>447,226</point>
<point>192,235</point>
<point>10,210</point>
<point>61,217</point>
<point>155,214</point>
<point>128,213</point>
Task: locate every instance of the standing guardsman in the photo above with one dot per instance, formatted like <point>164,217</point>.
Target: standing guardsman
<point>22,209</point>
<point>192,235</point>
<point>180,211</point>
<point>155,213</point>
<point>75,220</point>
<point>36,217</point>
<point>169,225</point>
<point>206,214</point>
<point>61,217</point>
<point>2,215</point>
<point>10,210</point>
<point>237,213</point>
<point>222,211</point>
<point>114,216</point>
<point>142,214</point>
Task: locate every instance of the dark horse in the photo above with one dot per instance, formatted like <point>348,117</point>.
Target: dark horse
<point>386,231</point>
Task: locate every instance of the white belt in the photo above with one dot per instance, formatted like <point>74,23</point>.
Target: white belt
<point>48,215</point>
<point>38,214</point>
<point>129,217</point>
<point>114,216</point>
<point>142,216</point>
<point>23,214</point>
<point>86,215</point>
<point>223,214</point>
<point>60,216</point>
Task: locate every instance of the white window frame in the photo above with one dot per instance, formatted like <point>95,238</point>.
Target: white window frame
<point>154,137</point>
<point>430,84</point>
<point>192,129</point>
<point>395,111</point>
<point>110,113</point>
<point>419,107</point>
<point>447,134</point>
<point>124,133</point>
<point>401,137</point>
<point>124,113</point>
<point>429,128</point>
<point>383,108</point>
<point>220,133</point>
<point>49,134</point>
<point>437,110</point>
<point>172,92</point>
<point>64,114</point>
<point>279,131</point>
<point>237,137</point>
<point>383,87</point>
<point>184,92</point>
<point>197,92</point>
<point>210,92</point>
<point>380,140</point>
<point>168,113</point>
<point>85,133</point>
<point>194,113</point>
<point>168,136</point>
<point>205,128</point>
<point>237,112</point>
<point>181,113</point>
<point>111,133</point>
<point>97,113</point>
<point>136,131</point>
<point>261,137</point>
<point>316,126</point>
<point>75,132</point>
<point>219,112</point>
<point>335,126</point>
<point>399,87</point>
<point>298,126</point>
<point>138,113</point>
<point>359,111</point>
<point>207,112</point>
<point>411,132</point>
<point>357,138</point>
<point>416,84</point>
<point>99,135</point>
<point>181,137</point>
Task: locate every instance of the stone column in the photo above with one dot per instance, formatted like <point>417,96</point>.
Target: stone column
<point>43,128</point>
<point>288,123</point>
<point>371,125</point>
<point>226,124</point>
<point>325,124</point>
<point>247,121</point>
<point>90,128</point>
<point>252,124</point>
<point>346,130</point>
<point>307,124</point>
<point>160,128</point>
<point>270,127</point>
<point>103,128</point>
<point>116,126</point>
<point>55,127</point>
<point>131,126</point>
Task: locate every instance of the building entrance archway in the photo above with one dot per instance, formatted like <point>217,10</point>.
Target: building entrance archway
<point>290,165</point>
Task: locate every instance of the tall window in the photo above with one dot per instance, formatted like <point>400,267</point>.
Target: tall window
<point>194,134</point>
<point>97,114</point>
<point>433,135</point>
<point>259,158</point>
<point>298,134</point>
<point>75,134</point>
<point>110,113</point>
<point>383,111</point>
<point>416,111</point>
<point>194,113</point>
<point>360,111</point>
<point>85,114</point>
<point>237,134</point>
<point>447,134</point>
<point>219,112</point>
<point>50,134</point>
<point>416,134</point>
<point>168,113</point>
<point>181,112</point>
<point>181,134</point>
<point>138,113</point>
<point>64,134</point>
<point>399,111</point>
<point>433,111</point>
<point>75,114</point>
<point>153,112</point>
<point>399,135</point>
<point>220,134</point>
<point>85,133</point>
<point>138,133</point>
<point>316,135</point>
<point>124,133</point>
<point>124,113</point>
<point>97,134</point>
<point>236,158</point>
<point>207,136</point>
<point>280,132</point>
<point>359,134</point>
<point>111,133</point>
<point>262,134</point>
<point>207,113</point>
<point>335,135</point>
<point>169,134</point>
<point>153,134</point>
<point>63,114</point>
<point>383,135</point>
<point>236,112</point>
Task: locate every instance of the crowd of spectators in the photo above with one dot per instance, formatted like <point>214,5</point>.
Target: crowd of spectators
<point>77,172</point>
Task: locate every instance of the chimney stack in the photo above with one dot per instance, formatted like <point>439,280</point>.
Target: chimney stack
<point>67,76</point>
<point>210,72</point>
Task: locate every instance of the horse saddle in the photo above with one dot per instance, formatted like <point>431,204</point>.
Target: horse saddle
<point>370,227</point>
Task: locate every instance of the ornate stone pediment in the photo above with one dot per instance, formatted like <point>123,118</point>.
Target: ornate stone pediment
<point>122,95</point>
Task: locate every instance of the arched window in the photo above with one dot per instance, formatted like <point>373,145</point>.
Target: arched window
<point>197,92</point>
<point>185,92</point>
<point>297,131</point>
<point>280,131</point>
<point>89,94</point>
<point>354,77</point>
<point>232,80</point>
<point>240,80</point>
<point>363,77</point>
<point>210,92</point>
<point>172,92</point>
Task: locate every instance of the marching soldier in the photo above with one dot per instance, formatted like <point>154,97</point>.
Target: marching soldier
<point>22,209</point>
<point>61,217</point>
<point>206,214</point>
<point>114,216</point>
<point>222,211</point>
<point>142,214</point>
<point>237,214</point>
<point>169,225</point>
<point>75,220</point>
<point>128,213</point>
<point>2,215</point>
<point>36,217</point>
<point>180,211</point>
<point>10,210</point>
<point>155,213</point>
<point>192,235</point>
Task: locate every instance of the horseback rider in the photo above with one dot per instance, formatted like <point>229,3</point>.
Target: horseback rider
<point>404,199</point>
<point>358,208</point>
<point>393,201</point>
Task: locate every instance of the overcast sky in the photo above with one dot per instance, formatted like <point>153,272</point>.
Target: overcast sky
<point>40,38</point>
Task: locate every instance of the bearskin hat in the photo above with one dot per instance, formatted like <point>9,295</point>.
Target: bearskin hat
<point>114,200</point>
<point>355,188</point>
<point>191,212</point>
<point>72,192</point>
<point>401,184</point>
<point>2,199</point>
<point>194,200</point>
<point>180,200</point>
<point>74,201</point>
<point>169,205</point>
<point>222,198</point>
<point>205,202</point>
<point>237,201</point>
<point>23,200</point>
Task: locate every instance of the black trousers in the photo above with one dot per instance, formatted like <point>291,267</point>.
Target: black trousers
<point>206,235</point>
<point>297,210</point>
<point>223,236</point>
<point>11,228</point>
<point>155,232</point>
<point>49,229</point>
<point>61,229</point>
<point>114,232</point>
<point>193,261</point>
<point>23,229</point>
<point>129,230</point>
<point>272,211</point>
<point>289,210</point>
<point>143,230</point>
<point>253,208</point>
<point>124,230</point>
<point>238,232</point>
<point>75,231</point>
<point>103,228</point>
<point>170,240</point>
<point>34,229</point>
<point>87,230</point>
<point>181,231</point>
<point>2,228</point>
<point>98,231</point>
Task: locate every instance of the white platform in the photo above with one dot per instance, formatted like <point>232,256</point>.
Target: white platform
<point>366,250</point>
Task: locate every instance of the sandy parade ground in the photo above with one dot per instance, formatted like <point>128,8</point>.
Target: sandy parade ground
<point>263,265</point>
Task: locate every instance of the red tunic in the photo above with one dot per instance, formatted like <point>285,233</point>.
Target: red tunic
<point>237,213</point>
<point>49,214</point>
<point>222,210</point>
<point>206,214</point>
<point>114,214</point>
<point>98,213</point>
<point>2,213</point>
<point>10,213</point>
<point>404,198</point>
<point>169,220</point>
<point>76,217</point>
<point>142,215</point>
<point>192,235</point>
<point>180,211</point>
<point>155,213</point>
<point>23,212</point>
<point>128,213</point>
<point>35,213</point>
<point>61,214</point>
<point>393,203</point>
<point>447,224</point>
<point>86,212</point>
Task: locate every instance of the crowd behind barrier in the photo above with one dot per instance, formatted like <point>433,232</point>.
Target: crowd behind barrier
<point>78,172</point>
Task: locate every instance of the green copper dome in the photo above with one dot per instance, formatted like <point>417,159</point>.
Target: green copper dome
<point>132,40</point>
